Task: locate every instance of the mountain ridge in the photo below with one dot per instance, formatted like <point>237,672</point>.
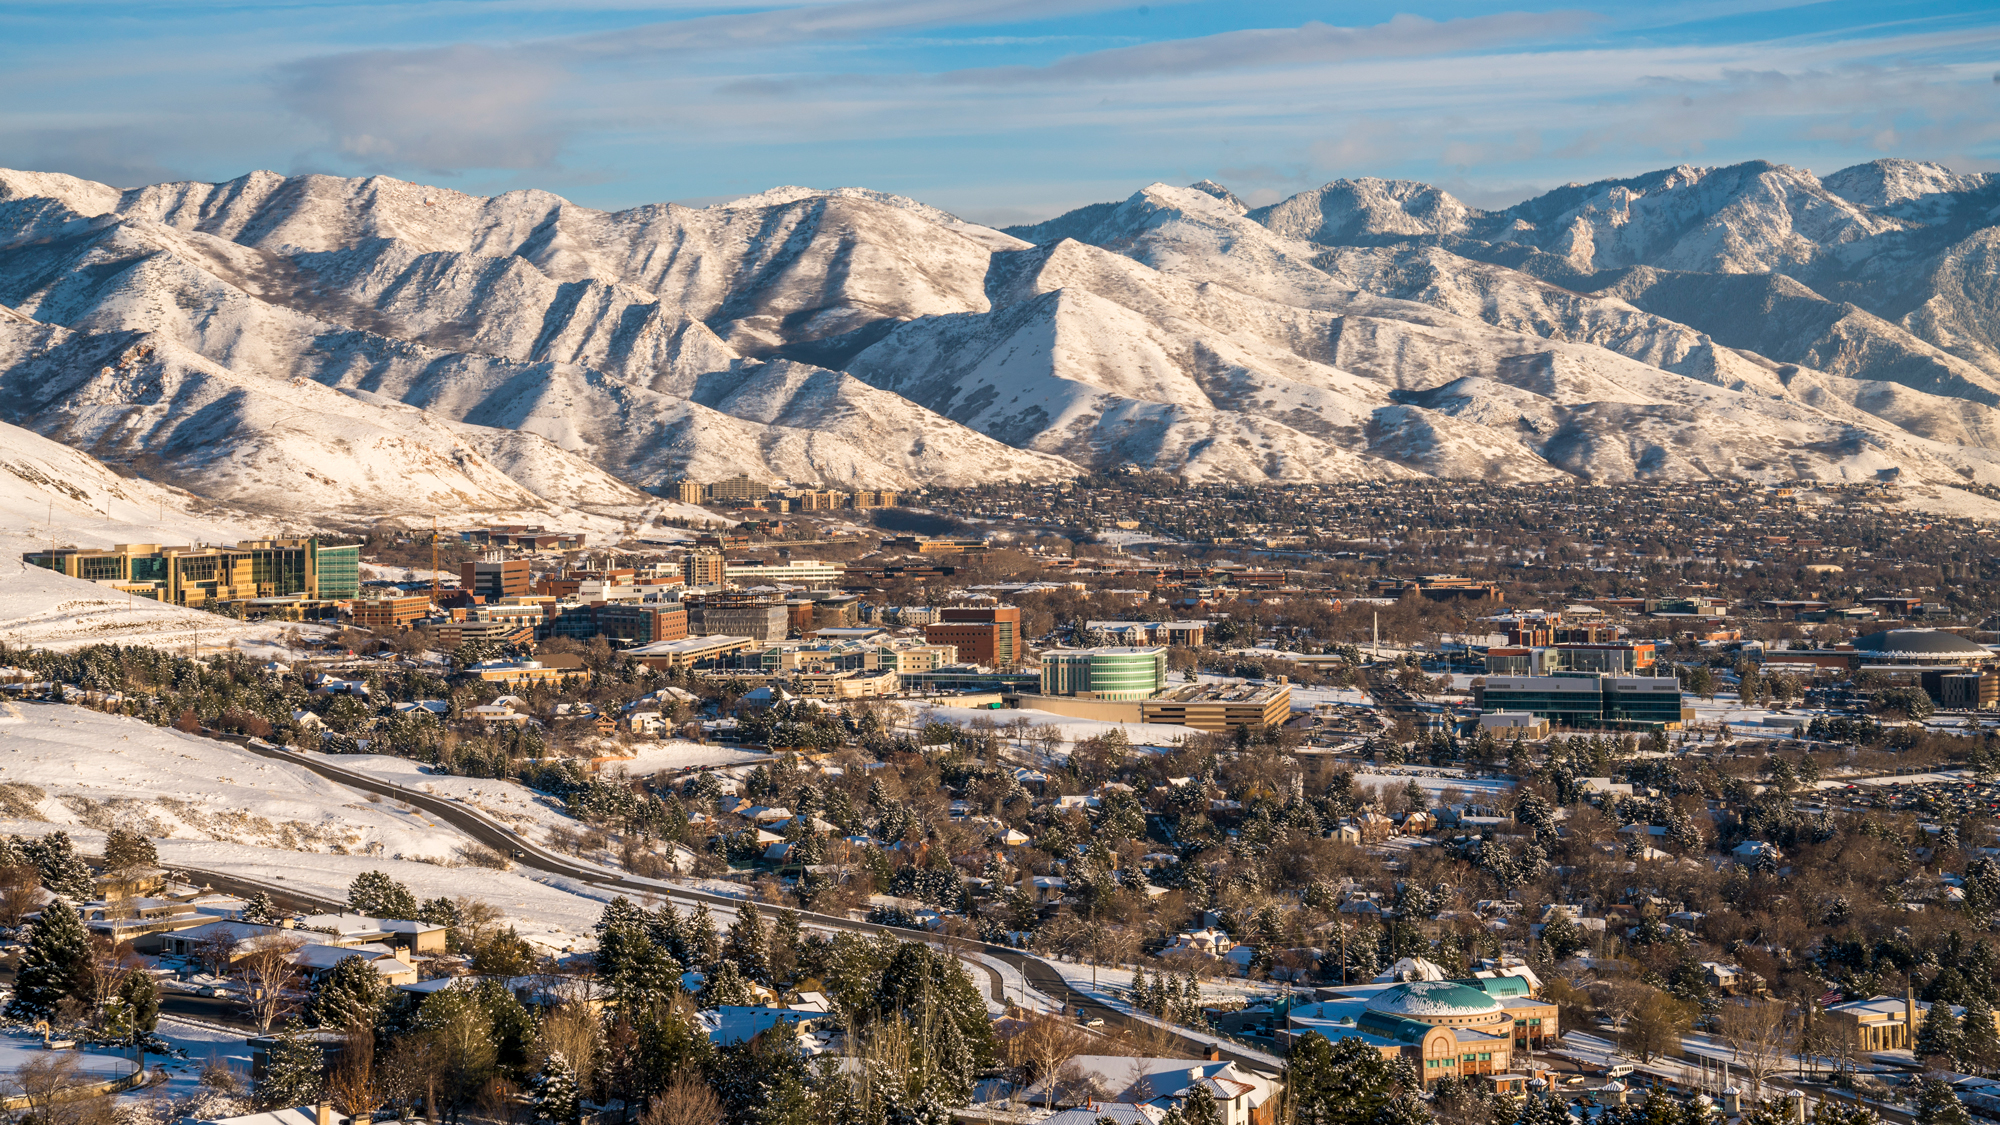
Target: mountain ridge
<point>404,346</point>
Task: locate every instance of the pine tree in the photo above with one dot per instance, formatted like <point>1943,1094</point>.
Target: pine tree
<point>63,873</point>
<point>1344,1083</point>
<point>785,945</point>
<point>374,894</point>
<point>294,1073</point>
<point>351,994</point>
<point>124,850</point>
<point>556,1097</point>
<point>140,998</point>
<point>749,947</point>
<point>724,985</point>
<point>1937,1104</point>
<point>669,931</point>
<point>1981,1052</point>
<point>54,964</point>
<point>1199,1108</point>
<point>1940,1037</point>
<point>704,948</point>
<point>1140,989</point>
<point>260,910</point>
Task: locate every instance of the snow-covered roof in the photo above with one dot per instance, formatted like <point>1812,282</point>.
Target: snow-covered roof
<point>1433,998</point>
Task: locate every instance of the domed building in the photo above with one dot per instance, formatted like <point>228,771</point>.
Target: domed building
<point>1954,671</point>
<point>1447,1028</point>
<point>1441,1003</point>
<point>1920,646</point>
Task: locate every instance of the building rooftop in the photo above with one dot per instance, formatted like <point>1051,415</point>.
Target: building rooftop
<point>1919,642</point>
<point>1433,998</point>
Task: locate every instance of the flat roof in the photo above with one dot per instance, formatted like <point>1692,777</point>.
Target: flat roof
<point>687,645</point>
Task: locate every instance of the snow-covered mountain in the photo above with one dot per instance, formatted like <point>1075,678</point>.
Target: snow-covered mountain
<point>314,344</point>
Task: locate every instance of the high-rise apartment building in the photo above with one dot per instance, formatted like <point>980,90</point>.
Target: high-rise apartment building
<point>704,567</point>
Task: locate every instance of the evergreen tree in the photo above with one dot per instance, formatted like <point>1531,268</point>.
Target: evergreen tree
<point>140,999</point>
<point>749,946</point>
<point>1199,1108</point>
<point>351,994</point>
<point>374,894</point>
<point>1981,1050</point>
<point>1940,1038</point>
<point>54,965</point>
<point>294,1071</point>
<point>1344,1083</point>
<point>556,1097</point>
<point>125,849</point>
<point>1937,1104</point>
<point>669,931</point>
<point>62,871</point>
<point>785,939</point>
<point>260,910</point>
<point>923,986</point>
<point>722,985</point>
<point>1141,990</point>
<point>704,948</point>
<point>1561,936</point>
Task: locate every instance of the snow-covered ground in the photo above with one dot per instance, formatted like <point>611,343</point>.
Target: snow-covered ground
<point>1141,734</point>
<point>508,803</point>
<point>42,609</point>
<point>550,911</point>
<point>649,758</point>
<point>78,769</point>
<point>1436,781</point>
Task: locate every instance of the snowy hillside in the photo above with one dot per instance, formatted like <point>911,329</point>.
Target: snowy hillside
<point>315,345</point>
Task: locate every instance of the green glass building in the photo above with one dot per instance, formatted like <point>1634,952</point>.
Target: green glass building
<point>1116,674</point>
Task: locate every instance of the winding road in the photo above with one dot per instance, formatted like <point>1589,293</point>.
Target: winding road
<point>1040,975</point>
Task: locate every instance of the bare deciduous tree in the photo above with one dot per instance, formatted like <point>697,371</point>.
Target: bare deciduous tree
<point>1759,1034</point>
<point>1047,1045</point>
<point>268,975</point>
<point>689,1101</point>
<point>49,1084</point>
<point>353,1083</point>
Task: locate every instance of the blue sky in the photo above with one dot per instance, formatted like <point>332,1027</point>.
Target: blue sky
<point>1000,110</point>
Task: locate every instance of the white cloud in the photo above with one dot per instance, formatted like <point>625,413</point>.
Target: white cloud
<point>1403,36</point>
<point>443,111</point>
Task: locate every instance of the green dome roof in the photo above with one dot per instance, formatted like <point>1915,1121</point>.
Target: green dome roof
<point>1433,999</point>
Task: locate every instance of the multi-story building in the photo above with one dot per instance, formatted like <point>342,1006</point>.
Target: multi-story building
<point>1219,708</point>
<point>505,578</point>
<point>256,568</point>
<point>884,498</point>
<point>690,491</point>
<point>989,635</point>
<point>391,613</point>
<point>1587,699</point>
<point>923,546</point>
<point>704,567</point>
<point>642,623</point>
<point>737,615</point>
<point>739,487</point>
<point>793,571</point>
<point>1189,634</point>
<point>1117,674</point>
<point>688,652</point>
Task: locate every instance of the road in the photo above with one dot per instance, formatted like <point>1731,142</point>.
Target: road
<point>1384,692</point>
<point>1038,972</point>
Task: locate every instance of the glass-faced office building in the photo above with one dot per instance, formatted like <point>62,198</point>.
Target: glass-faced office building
<point>1587,699</point>
<point>1115,674</point>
